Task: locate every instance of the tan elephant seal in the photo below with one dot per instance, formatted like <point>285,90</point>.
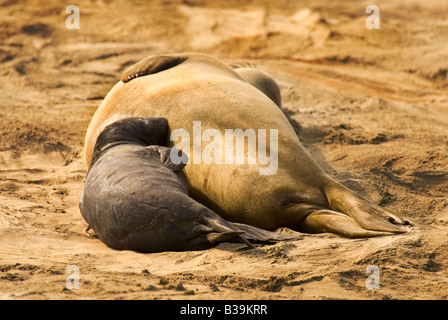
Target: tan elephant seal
<point>188,89</point>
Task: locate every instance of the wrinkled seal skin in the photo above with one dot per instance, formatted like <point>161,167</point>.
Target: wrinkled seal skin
<point>135,198</point>
<point>196,87</point>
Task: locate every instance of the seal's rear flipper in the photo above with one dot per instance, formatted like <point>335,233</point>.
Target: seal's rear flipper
<point>151,65</point>
<point>221,237</point>
<point>246,234</point>
<point>257,235</point>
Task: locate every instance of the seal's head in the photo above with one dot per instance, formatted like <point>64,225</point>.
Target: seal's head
<point>141,131</point>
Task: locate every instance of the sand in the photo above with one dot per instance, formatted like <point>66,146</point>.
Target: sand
<point>371,106</point>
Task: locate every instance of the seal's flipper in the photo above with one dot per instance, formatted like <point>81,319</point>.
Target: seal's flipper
<point>367,215</point>
<point>216,238</point>
<point>173,158</point>
<point>249,234</point>
<point>263,82</point>
<point>330,221</point>
<point>151,65</point>
<point>257,235</point>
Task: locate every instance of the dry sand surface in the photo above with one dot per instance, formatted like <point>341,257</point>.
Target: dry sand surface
<point>370,105</point>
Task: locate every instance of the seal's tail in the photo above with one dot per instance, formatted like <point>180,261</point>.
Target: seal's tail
<point>226,231</point>
<point>216,238</point>
<point>257,235</point>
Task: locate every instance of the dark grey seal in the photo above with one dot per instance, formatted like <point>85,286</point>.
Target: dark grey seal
<point>136,198</point>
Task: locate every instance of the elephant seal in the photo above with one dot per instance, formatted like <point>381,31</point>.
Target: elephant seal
<point>136,198</point>
<point>184,88</point>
